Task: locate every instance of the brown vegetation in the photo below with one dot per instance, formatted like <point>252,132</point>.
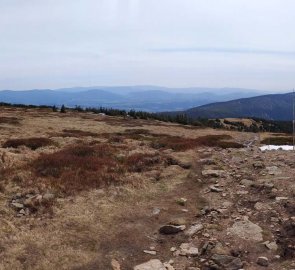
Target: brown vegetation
<point>32,143</point>
<point>182,144</point>
<point>80,167</point>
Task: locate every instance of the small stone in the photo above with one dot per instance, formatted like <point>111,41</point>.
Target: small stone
<point>215,189</point>
<point>188,249</point>
<point>22,211</point>
<point>278,199</point>
<point>171,229</point>
<point>262,261</point>
<point>150,252</point>
<point>271,245</point>
<point>181,201</point>
<point>156,211</point>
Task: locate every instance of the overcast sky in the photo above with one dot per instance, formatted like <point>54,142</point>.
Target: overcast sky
<point>177,43</point>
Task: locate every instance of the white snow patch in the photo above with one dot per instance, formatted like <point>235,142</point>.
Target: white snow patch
<point>276,147</point>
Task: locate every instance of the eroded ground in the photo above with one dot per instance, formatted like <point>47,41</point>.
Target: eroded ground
<point>83,191</point>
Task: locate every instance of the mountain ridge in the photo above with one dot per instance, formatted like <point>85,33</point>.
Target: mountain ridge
<point>271,107</point>
<point>145,98</point>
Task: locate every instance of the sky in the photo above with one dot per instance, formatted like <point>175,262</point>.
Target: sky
<point>174,43</point>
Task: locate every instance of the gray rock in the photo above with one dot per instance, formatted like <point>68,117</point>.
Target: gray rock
<point>262,261</point>
<point>151,265</point>
<point>228,262</point>
<point>194,229</point>
<point>188,249</point>
<point>171,229</point>
<point>246,230</point>
<point>17,205</point>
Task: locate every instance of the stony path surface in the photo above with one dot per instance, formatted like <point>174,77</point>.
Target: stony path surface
<point>247,222</point>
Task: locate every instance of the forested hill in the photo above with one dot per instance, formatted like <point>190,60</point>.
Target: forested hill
<point>274,107</point>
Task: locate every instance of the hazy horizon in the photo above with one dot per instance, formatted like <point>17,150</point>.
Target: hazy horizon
<point>54,44</point>
<point>154,87</point>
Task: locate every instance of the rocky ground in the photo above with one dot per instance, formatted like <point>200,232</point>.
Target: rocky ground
<point>195,207</point>
<point>248,221</point>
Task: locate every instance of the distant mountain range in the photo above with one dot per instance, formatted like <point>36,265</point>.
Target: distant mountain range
<point>145,98</point>
<point>271,107</point>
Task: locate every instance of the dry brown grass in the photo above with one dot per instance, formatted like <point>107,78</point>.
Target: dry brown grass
<point>32,143</point>
<point>78,133</point>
